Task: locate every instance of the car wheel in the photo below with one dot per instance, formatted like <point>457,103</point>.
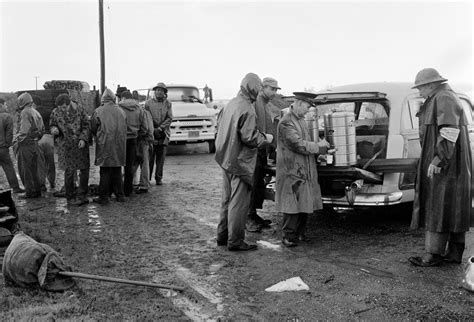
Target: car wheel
<point>212,146</point>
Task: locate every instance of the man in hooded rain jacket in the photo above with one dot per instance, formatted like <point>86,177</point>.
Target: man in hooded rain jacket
<point>136,123</point>
<point>29,132</point>
<point>236,153</point>
<point>108,124</point>
<point>443,185</point>
<point>297,189</point>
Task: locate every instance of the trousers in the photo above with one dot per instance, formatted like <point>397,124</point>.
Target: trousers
<point>235,203</point>
<point>83,182</point>
<point>46,165</point>
<point>28,157</point>
<point>131,155</point>
<point>7,165</point>
<point>158,157</point>
<point>110,181</point>
<point>143,179</point>
<point>294,225</point>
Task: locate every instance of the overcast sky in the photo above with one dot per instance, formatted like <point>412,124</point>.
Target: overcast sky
<point>306,44</point>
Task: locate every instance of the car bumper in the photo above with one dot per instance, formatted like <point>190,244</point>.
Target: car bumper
<point>185,137</point>
<point>366,200</point>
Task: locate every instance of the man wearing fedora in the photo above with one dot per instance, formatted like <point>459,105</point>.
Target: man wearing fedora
<point>298,193</point>
<point>255,223</point>
<point>161,112</point>
<point>443,185</point>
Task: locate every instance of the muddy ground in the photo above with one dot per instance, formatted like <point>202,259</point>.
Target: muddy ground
<point>355,266</point>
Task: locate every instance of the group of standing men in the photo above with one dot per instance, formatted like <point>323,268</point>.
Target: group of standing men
<point>126,135</point>
<point>443,197</point>
<point>247,128</point>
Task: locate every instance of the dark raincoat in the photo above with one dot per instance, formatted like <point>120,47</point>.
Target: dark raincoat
<point>443,203</point>
<point>297,187</point>
<point>110,128</point>
<point>237,135</point>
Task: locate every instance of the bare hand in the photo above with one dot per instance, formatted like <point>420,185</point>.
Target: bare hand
<point>432,170</point>
<point>269,137</point>
<point>54,131</point>
<point>82,144</point>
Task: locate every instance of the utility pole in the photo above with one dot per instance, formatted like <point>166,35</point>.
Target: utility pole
<point>102,49</point>
<point>36,82</point>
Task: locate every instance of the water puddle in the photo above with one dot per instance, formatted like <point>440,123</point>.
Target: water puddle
<point>194,310</point>
<point>94,219</point>
<point>61,206</point>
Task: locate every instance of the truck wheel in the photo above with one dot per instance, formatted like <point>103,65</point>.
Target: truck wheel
<point>212,146</point>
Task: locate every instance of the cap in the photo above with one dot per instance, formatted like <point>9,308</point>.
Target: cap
<point>268,81</point>
<point>161,85</point>
<point>304,96</point>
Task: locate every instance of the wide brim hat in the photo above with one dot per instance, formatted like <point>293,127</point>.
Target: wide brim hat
<point>427,76</point>
<point>305,96</point>
<point>161,85</point>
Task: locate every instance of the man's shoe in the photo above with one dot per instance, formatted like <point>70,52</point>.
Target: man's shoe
<point>159,182</point>
<point>18,190</point>
<point>221,242</point>
<point>242,247</point>
<point>288,242</point>
<point>30,195</point>
<point>140,191</point>
<point>265,223</point>
<point>101,201</point>
<point>427,260</point>
<point>121,199</point>
<point>253,227</point>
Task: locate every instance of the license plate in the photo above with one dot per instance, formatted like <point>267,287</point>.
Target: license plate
<point>193,134</point>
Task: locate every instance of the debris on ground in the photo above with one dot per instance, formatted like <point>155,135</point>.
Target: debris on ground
<point>291,284</point>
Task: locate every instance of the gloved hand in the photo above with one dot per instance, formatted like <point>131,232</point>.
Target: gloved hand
<point>269,137</point>
<point>432,170</point>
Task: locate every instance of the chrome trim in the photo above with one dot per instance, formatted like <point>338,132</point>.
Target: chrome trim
<point>366,199</point>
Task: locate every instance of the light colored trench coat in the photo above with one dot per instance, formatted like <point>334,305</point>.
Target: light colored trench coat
<point>297,187</point>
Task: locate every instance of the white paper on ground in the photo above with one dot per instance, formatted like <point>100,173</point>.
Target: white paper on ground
<point>291,284</point>
<point>266,244</point>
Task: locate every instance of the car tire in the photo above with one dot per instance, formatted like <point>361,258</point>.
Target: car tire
<point>212,146</point>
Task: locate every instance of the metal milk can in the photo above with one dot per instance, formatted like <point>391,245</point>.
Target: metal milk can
<point>339,128</point>
<point>311,119</point>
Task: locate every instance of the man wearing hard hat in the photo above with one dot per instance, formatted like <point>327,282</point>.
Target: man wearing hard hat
<point>443,185</point>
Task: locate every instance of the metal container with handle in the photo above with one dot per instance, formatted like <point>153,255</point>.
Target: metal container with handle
<point>339,129</point>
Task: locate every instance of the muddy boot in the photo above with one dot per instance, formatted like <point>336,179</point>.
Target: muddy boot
<point>454,254</point>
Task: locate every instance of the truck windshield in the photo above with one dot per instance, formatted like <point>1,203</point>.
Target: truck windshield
<point>180,94</point>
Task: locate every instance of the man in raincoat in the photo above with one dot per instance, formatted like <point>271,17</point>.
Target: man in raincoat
<point>109,126</point>
<point>29,132</point>
<point>255,223</point>
<point>6,139</point>
<point>161,112</point>
<point>236,153</point>
<point>443,186</point>
<point>297,189</point>
<point>70,127</point>
<point>136,123</point>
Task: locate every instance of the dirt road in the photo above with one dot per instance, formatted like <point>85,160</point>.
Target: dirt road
<point>355,266</point>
